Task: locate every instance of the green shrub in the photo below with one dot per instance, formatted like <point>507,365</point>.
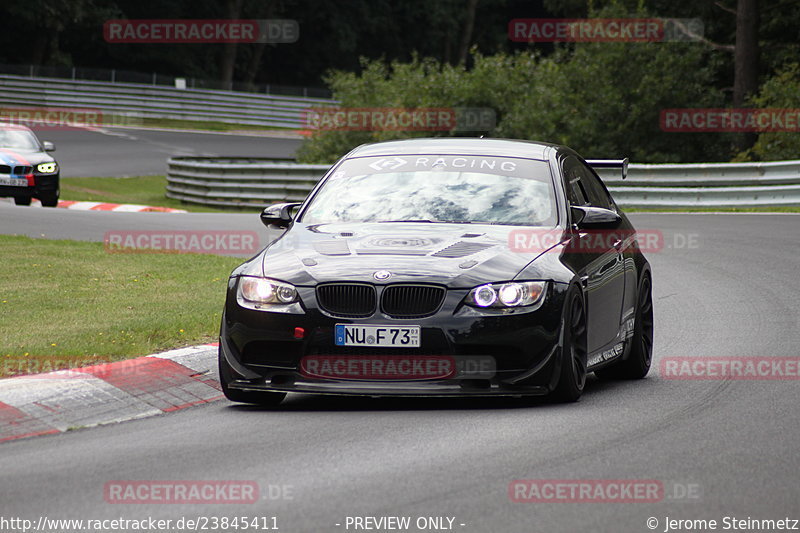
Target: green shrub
<point>602,99</point>
<point>780,91</point>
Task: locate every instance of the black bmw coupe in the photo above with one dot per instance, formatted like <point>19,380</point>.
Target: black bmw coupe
<point>442,267</point>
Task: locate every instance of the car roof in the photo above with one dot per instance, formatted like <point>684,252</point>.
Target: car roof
<point>456,146</point>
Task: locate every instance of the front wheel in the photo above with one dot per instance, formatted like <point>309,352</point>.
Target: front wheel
<point>637,365</point>
<point>49,200</point>
<point>267,399</point>
<point>573,351</point>
<point>22,200</point>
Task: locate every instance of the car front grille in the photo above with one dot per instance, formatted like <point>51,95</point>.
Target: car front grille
<point>359,300</point>
<point>412,301</point>
<point>23,170</point>
<point>5,169</point>
<point>352,300</point>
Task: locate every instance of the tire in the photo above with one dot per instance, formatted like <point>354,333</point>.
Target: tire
<point>572,378</point>
<point>22,200</point>
<point>637,365</point>
<point>49,200</point>
<point>267,399</point>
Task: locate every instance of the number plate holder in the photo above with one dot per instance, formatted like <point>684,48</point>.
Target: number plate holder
<point>377,336</point>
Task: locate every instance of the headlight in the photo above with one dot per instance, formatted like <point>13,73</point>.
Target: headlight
<point>504,295</point>
<point>47,168</point>
<point>266,291</point>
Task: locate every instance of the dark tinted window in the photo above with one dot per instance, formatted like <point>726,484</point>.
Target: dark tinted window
<point>576,195</point>
<point>598,196</point>
<point>583,187</point>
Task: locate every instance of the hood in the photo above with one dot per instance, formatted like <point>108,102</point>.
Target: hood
<point>13,158</point>
<point>455,255</point>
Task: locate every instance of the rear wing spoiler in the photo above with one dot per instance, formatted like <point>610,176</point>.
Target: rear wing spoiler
<point>621,164</point>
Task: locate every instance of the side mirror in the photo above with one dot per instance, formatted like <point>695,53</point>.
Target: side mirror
<point>278,215</point>
<point>48,146</point>
<point>594,217</point>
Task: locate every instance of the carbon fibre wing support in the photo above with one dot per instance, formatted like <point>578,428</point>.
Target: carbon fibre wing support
<point>621,164</point>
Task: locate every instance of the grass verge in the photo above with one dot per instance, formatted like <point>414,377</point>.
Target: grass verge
<point>169,123</point>
<point>70,303</point>
<point>144,190</point>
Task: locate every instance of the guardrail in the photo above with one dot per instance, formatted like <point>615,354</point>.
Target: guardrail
<point>240,182</point>
<point>248,182</point>
<point>762,184</point>
<point>154,78</point>
<point>136,100</point>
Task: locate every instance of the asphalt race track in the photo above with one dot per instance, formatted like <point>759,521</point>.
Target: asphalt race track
<point>121,152</point>
<point>725,285</point>
<point>93,225</point>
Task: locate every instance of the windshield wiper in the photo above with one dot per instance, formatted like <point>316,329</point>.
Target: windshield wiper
<point>434,221</point>
<point>410,220</point>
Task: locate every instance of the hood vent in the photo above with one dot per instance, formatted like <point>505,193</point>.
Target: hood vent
<point>391,251</point>
<point>462,249</point>
<point>332,247</point>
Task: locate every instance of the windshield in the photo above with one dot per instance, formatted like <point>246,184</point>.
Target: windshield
<point>436,189</point>
<point>19,140</point>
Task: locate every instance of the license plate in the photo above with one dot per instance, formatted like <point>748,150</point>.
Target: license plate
<point>377,336</point>
<point>14,182</point>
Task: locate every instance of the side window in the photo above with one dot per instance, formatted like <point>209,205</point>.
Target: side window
<point>597,194</point>
<point>582,185</point>
<point>576,194</point>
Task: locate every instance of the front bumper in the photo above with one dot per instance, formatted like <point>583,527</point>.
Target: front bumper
<point>263,354</point>
<point>44,184</point>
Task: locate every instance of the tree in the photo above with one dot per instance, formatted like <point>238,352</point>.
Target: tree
<point>232,11</point>
<point>466,33</point>
<point>603,99</point>
<point>747,52</point>
<point>781,91</point>
<point>49,19</point>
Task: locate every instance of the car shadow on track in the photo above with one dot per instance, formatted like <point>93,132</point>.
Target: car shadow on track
<point>298,402</point>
